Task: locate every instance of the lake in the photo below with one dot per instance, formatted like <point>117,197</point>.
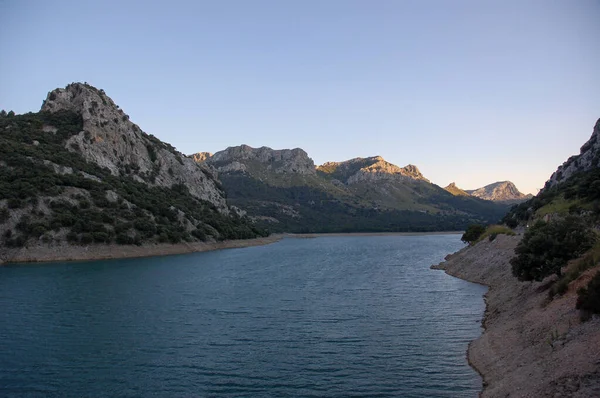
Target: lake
<point>331,316</point>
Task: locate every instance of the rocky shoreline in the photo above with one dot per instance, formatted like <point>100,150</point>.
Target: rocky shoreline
<point>531,346</point>
<point>44,253</point>
<point>65,252</point>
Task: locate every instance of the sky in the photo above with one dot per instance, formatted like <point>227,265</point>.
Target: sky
<point>469,91</point>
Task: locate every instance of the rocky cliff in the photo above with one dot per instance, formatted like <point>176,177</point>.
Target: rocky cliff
<point>282,161</point>
<point>110,140</point>
<point>284,191</point>
<point>588,159</point>
<point>79,175</point>
<point>370,169</point>
<point>502,191</point>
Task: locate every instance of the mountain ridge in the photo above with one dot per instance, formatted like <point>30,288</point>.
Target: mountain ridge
<point>300,193</point>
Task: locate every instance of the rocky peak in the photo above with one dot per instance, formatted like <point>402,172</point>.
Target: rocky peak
<point>239,158</point>
<point>201,157</point>
<point>588,158</point>
<point>501,191</point>
<point>111,140</point>
<point>373,168</point>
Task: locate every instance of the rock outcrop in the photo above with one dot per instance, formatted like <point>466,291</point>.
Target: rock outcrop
<point>588,158</point>
<point>283,161</point>
<point>111,140</point>
<point>370,169</point>
<point>201,157</point>
<point>502,191</point>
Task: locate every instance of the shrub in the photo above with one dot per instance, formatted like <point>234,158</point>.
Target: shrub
<point>547,247</point>
<point>124,239</point>
<point>588,298</point>
<point>72,237</point>
<point>472,234</point>
<point>493,231</point>
<point>3,215</point>
<point>576,268</point>
<point>86,238</point>
<point>101,237</point>
<point>14,203</point>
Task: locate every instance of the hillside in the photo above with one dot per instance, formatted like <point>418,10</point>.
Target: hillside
<point>541,335</point>
<point>456,191</point>
<point>574,188</point>
<point>531,346</point>
<point>284,191</point>
<point>79,172</point>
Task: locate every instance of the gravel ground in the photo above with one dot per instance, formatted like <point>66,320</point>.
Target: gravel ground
<point>531,346</point>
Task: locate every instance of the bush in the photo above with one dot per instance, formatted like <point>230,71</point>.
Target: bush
<point>124,239</point>
<point>493,231</point>
<point>472,234</point>
<point>547,247</point>
<point>72,237</point>
<point>588,298</point>
<point>86,238</point>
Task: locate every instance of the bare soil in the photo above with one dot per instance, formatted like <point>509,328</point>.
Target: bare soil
<point>532,346</point>
<point>66,252</point>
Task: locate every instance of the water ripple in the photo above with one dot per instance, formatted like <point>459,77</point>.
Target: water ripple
<point>339,317</point>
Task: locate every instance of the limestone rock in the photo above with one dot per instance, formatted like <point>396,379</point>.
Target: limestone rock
<point>588,158</point>
<point>201,157</point>
<point>370,170</point>
<point>111,140</point>
<point>501,191</point>
<point>283,161</point>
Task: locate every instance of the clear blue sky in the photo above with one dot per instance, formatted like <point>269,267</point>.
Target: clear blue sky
<point>469,91</point>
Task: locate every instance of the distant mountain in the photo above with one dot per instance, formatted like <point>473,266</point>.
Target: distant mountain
<point>502,191</point>
<point>80,172</point>
<point>456,191</point>
<point>284,191</point>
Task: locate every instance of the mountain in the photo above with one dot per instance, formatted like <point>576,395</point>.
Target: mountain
<point>502,191</point>
<point>588,159</point>
<point>80,172</point>
<point>370,169</point>
<point>284,191</point>
<point>456,191</point>
<point>574,188</point>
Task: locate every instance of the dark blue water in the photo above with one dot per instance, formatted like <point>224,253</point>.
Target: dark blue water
<point>335,316</point>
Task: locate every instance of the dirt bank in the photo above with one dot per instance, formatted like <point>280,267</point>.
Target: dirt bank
<point>44,253</point>
<point>531,346</point>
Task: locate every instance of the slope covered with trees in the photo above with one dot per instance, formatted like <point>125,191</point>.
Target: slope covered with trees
<point>51,194</point>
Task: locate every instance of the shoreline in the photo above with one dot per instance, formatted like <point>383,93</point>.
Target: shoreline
<point>65,252</point>
<point>530,346</point>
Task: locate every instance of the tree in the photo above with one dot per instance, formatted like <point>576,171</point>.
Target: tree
<point>547,247</point>
<point>473,232</point>
<point>588,298</point>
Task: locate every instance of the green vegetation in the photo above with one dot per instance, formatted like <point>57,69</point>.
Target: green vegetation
<point>577,195</point>
<point>304,208</point>
<point>73,204</point>
<point>492,231</point>
<point>546,247</point>
<point>588,298</point>
<point>473,233</point>
<point>575,269</point>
